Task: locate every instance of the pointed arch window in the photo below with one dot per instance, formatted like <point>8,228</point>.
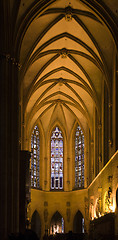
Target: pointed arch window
<point>57,159</point>
<point>79,158</point>
<point>35,157</point>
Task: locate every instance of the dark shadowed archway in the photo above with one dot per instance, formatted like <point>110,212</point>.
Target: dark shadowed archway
<point>36,223</point>
<point>78,223</point>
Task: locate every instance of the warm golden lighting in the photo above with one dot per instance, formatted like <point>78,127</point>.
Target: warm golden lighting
<point>56,229</point>
<point>113,207</point>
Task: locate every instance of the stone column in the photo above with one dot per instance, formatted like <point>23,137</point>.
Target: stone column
<point>45,177</point>
<point>99,147</point>
<point>92,159</point>
<point>116,116</point>
<point>24,188</point>
<point>9,166</point>
<point>9,148</point>
<point>110,124</point>
<point>68,171</point>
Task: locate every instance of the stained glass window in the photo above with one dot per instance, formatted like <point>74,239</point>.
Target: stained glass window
<point>62,222</point>
<point>35,157</point>
<point>56,159</point>
<point>79,158</point>
<point>82,225</point>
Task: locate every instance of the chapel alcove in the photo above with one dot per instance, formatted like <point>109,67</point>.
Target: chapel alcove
<point>57,224</point>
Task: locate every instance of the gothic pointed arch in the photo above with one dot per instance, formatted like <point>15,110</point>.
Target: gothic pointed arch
<point>78,223</point>
<point>36,223</point>
<point>57,223</point>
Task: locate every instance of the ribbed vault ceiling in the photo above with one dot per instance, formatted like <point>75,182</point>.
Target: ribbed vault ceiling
<point>66,56</point>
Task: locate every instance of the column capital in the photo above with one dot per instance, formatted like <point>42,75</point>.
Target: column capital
<point>100,158</point>
<point>110,142</point>
<point>23,124</point>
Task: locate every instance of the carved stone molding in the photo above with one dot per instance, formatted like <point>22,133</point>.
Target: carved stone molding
<point>63,52</point>
<point>59,101</point>
<point>68,204</point>
<point>45,182</point>
<point>100,158</point>
<point>68,14</point>
<point>86,207</point>
<point>45,215</point>
<point>68,213</point>
<point>45,204</point>
<point>60,81</point>
<point>110,142</point>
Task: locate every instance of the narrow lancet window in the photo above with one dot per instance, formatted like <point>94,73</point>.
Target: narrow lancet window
<point>57,159</point>
<point>79,158</point>
<point>35,157</point>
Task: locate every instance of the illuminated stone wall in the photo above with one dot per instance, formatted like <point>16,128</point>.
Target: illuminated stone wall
<point>94,202</point>
<point>66,203</point>
<point>102,191</point>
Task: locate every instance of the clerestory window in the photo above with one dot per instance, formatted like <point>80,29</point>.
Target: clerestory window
<point>56,159</point>
<point>79,158</point>
<point>35,158</point>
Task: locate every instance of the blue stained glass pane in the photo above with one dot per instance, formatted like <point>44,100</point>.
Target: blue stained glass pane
<point>62,222</point>
<point>56,182</point>
<point>60,182</point>
<point>52,182</point>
